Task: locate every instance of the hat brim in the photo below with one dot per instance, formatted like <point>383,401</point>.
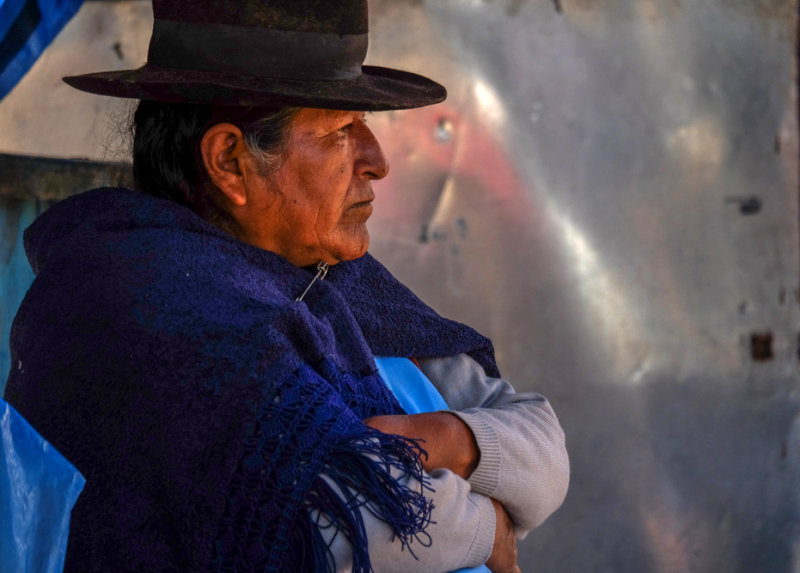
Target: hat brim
<point>376,89</point>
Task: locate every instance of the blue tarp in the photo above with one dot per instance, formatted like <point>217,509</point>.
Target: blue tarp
<point>26,28</point>
<point>38,488</point>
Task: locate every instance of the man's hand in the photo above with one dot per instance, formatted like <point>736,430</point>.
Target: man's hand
<point>504,553</point>
<point>449,441</point>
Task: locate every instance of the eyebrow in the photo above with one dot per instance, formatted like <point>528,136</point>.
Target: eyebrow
<point>354,113</point>
<point>347,116</point>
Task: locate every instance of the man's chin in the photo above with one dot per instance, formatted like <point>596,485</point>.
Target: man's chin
<point>354,250</point>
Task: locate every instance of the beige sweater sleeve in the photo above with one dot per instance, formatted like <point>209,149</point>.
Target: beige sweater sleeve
<point>461,532</point>
<point>524,463</point>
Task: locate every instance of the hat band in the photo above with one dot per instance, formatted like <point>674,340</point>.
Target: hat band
<point>265,52</point>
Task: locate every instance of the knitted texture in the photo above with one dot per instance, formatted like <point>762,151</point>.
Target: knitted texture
<point>170,363</point>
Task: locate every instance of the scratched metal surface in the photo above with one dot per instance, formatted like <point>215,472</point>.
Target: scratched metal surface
<point>580,198</point>
<point>610,192</point>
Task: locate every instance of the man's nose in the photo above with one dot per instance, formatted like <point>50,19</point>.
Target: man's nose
<point>370,162</point>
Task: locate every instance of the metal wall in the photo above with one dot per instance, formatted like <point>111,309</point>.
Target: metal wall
<point>611,193</point>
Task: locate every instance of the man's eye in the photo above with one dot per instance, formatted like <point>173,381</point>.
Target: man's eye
<point>346,128</point>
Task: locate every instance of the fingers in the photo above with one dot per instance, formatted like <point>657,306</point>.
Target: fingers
<point>504,553</point>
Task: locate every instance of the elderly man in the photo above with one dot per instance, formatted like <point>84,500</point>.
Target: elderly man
<point>242,385</point>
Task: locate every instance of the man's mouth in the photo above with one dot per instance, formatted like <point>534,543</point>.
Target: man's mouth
<point>362,204</point>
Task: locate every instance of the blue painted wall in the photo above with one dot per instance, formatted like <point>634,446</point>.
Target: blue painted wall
<point>15,272</point>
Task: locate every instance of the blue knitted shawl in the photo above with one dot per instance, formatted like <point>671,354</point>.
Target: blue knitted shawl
<point>172,365</point>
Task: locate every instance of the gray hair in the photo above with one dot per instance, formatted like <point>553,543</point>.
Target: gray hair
<point>267,138</point>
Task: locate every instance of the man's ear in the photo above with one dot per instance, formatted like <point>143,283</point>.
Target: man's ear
<point>223,150</point>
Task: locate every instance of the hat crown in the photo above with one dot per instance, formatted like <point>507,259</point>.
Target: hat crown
<point>267,53</point>
<point>321,16</point>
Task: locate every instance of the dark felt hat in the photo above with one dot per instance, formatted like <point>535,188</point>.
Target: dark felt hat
<point>304,53</point>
